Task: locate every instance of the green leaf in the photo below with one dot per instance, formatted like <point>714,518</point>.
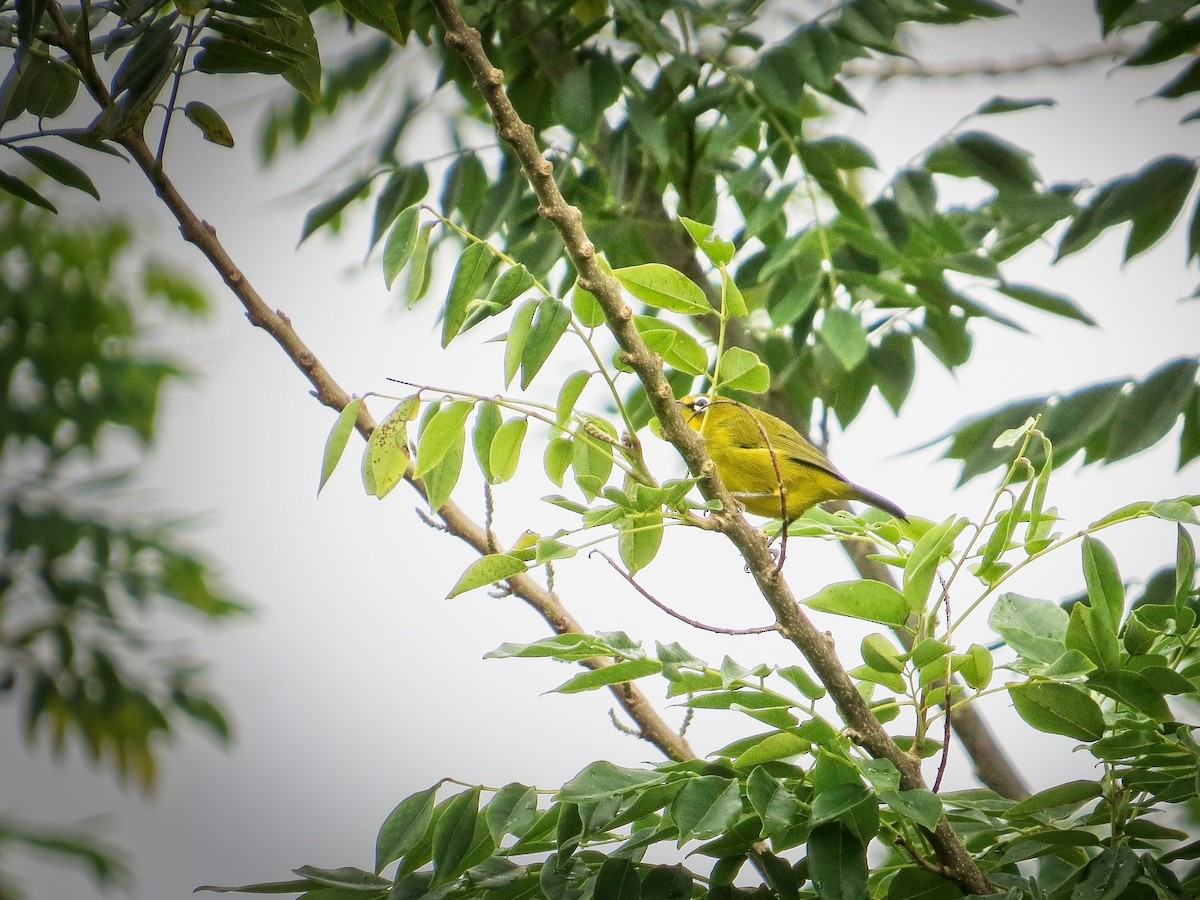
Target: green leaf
<point>386,457</point>
<point>592,461</point>
<point>706,807</point>
<point>1185,566</point>
<point>1170,39</point>
<point>468,276</point>
<point>512,283</point>
<point>1069,796</point>
<point>742,370</point>
<point>422,266</point>
<point>1035,629</point>
<point>931,549</point>
<point>917,805</point>
<point>801,681</point>
<point>985,156</point>
<point>325,212</point>
<point>266,887</point>
<point>1106,592</point>
<point>296,31</point>
<point>400,244</point>
<point>512,811</point>
<point>872,601</point>
<point>404,827</point>
<point>1058,709</point>
<point>22,191</point>
<point>1148,412</point>
<point>339,436</point>
<point>618,880</point>
<point>838,800</point>
<point>440,433</point>
<point>587,308</point>
<point>560,453</point>
<point>602,780</point>
<point>347,878</point>
<point>1107,876</point>
<point>487,423</point>
<point>919,884</point>
<point>881,654</point>
<point>569,647</point>
<point>1012,104</point>
<point>837,863</point>
<point>1189,438</point>
<point>454,834</point>
<point>668,883</point>
<point>549,324</point>
<point>210,123</point>
<point>441,479</point>
<point>506,449</point>
<point>845,336</point>
<point>616,673</point>
<point>774,803</point>
<point>678,349</point>
<point>780,745</point>
<point>568,396</point>
<point>718,250</point>
<point>47,90</point>
<point>1092,635</point>
<point>662,287</point>
<point>1046,301</point>
<point>1151,199</point>
<point>487,570</point>
<point>977,667</point>
<point>639,539</point>
<point>518,335</point>
<point>1134,690</point>
<point>61,170</point>
<point>377,14</point>
<point>733,304</point>
<point>843,152</point>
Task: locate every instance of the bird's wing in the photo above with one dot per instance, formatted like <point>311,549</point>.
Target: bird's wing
<point>798,450</point>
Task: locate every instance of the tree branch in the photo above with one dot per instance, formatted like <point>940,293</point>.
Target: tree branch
<point>793,623</point>
<point>896,67</point>
<point>651,725</point>
<point>992,766</point>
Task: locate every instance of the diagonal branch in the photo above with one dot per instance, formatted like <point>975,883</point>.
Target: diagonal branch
<point>992,765</point>
<point>651,726</point>
<point>793,623</point>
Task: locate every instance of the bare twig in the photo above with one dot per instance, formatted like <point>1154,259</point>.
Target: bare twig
<point>762,629</point>
<point>898,67</point>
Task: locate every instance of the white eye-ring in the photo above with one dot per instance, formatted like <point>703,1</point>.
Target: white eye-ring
<point>700,404</point>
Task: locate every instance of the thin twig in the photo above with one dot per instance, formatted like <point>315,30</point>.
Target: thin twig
<point>947,685</point>
<point>670,612</point>
<point>896,67</point>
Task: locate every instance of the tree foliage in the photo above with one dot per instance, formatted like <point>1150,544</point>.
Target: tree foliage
<point>78,582</point>
<point>720,235</point>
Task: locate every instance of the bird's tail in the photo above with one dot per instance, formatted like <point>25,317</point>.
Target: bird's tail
<point>861,493</point>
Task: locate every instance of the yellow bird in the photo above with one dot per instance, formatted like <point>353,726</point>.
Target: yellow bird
<point>756,454</point>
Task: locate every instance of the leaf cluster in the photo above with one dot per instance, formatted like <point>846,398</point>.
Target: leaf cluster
<point>76,580</point>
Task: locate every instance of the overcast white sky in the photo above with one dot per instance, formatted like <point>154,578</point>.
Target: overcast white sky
<point>356,684</point>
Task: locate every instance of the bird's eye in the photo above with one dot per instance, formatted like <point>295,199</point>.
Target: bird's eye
<point>700,404</point>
